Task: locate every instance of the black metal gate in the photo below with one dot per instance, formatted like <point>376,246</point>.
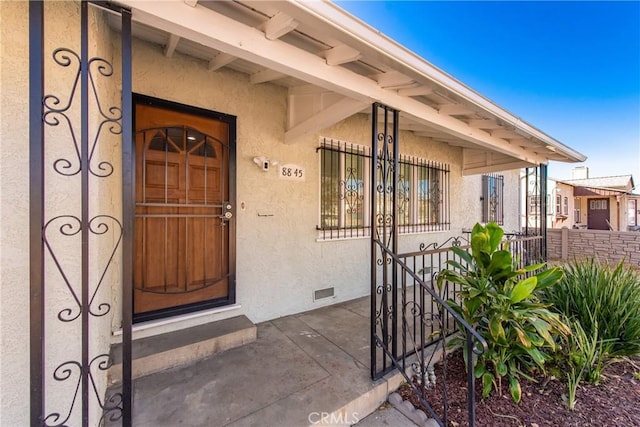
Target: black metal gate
<point>384,239</point>
<point>536,209</point>
<point>76,243</point>
<point>410,320</point>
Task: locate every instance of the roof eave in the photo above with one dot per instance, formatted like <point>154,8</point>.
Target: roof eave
<point>353,27</point>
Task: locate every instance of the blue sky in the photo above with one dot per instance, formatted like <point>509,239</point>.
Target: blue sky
<point>571,69</point>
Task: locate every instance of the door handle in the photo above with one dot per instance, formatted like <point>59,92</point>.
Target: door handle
<point>227,214</point>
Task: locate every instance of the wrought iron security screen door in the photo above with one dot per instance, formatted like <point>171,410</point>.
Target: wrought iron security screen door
<point>183,213</point>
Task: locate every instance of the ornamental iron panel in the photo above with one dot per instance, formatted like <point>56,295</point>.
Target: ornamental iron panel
<point>79,243</point>
<point>410,320</point>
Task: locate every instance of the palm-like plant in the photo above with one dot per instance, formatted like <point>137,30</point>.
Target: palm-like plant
<point>498,300</point>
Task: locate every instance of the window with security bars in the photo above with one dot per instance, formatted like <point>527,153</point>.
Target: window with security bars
<point>422,192</point>
<point>493,198</point>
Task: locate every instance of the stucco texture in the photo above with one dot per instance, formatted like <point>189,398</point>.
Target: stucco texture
<point>14,208</point>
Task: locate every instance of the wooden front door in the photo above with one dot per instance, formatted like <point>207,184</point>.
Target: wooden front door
<point>598,214</point>
<point>183,209</point>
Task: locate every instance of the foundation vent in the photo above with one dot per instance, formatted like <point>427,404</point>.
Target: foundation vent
<point>323,293</point>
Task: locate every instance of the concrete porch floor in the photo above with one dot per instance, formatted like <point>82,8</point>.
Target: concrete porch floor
<point>306,369</point>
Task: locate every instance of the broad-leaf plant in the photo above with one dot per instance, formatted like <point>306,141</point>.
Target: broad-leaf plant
<point>498,300</point>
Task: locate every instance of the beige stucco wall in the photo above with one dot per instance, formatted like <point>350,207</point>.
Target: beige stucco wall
<point>14,219</point>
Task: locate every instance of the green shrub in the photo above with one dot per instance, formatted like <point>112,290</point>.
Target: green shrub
<point>580,357</point>
<point>604,300</point>
<point>503,309</point>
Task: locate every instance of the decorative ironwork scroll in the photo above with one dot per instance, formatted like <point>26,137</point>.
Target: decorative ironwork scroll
<point>384,239</point>
<point>74,252</point>
<point>410,320</point>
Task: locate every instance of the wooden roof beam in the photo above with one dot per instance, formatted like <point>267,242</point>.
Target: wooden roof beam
<point>340,54</point>
<point>171,45</point>
<point>220,60</point>
<point>484,124</point>
<point>279,25</point>
<point>453,109</point>
<point>342,109</point>
<point>393,80</point>
<point>503,133</point>
<point>416,91</point>
<point>266,76</point>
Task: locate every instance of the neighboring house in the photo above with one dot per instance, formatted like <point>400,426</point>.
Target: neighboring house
<point>237,179</point>
<point>600,203</point>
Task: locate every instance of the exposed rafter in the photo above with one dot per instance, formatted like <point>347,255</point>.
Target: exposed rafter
<point>517,164</point>
<point>503,133</point>
<point>325,17</point>
<point>342,109</point>
<point>245,42</point>
<point>279,25</point>
<point>484,124</point>
<point>453,109</point>
<point>393,80</point>
<point>172,43</point>
<point>306,90</point>
<point>192,3</point>
<point>266,76</point>
<point>220,60</point>
<point>415,91</point>
<point>341,54</point>
<point>476,161</point>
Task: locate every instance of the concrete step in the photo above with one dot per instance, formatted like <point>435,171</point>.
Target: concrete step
<point>160,352</point>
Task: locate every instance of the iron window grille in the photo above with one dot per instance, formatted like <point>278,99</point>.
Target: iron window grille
<point>493,198</point>
<point>345,173</point>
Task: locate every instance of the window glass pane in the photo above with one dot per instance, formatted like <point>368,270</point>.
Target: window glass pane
<point>353,194</point>
<point>429,195</point>
<point>435,197</point>
<point>632,212</point>
<point>167,139</point>
<point>330,189</point>
<point>492,198</point>
<point>405,187</point>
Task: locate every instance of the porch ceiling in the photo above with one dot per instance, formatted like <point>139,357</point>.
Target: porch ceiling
<point>335,66</point>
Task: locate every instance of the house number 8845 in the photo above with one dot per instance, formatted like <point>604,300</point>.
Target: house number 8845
<point>292,172</point>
